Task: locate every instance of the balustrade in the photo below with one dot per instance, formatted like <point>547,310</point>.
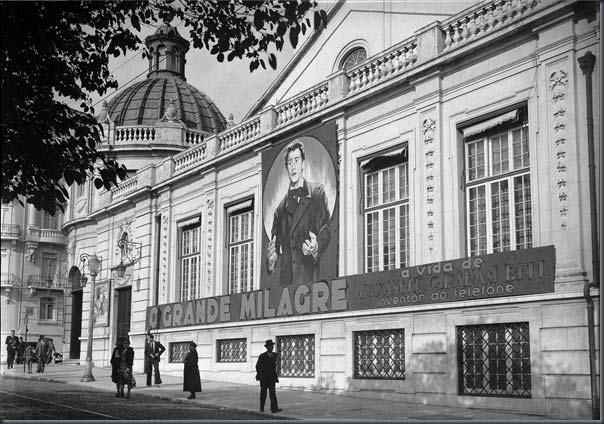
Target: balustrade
<point>11,230</point>
<point>193,137</point>
<point>134,135</point>
<point>483,19</point>
<point>190,158</point>
<point>238,135</point>
<point>124,188</point>
<point>384,66</point>
<point>303,104</point>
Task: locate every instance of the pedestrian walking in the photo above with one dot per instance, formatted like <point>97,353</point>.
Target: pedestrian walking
<point>41,353</point>
<point>153,351</point>
<point>121,367</point>
<point>12,343</point>
<point>116,361</point>
<point>192,380</point>
<point>126,368</point>
<point>30,357</point>
<point>266,374</point>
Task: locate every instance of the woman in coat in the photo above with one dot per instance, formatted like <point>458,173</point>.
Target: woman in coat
<point>192,381</point>
<point>116,361</point>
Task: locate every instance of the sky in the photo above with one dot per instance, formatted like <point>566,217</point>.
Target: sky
<point>230,85</point>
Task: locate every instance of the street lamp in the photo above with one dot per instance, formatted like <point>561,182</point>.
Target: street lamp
<point>94,265</point>
<point>125,246</point>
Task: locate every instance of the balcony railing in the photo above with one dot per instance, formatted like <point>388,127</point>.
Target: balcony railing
<point>125,188</point>
<point>11,231</point>
<point>38,281</point>
<point>46,235</point>
<point>8,279</point>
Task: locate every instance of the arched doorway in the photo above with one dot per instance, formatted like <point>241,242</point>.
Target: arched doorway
<point>76,312</point>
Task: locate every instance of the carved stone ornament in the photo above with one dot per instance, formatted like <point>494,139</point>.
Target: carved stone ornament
<point>209,239</point>
<point>558,83</point>
<point>171,113</point>
<point>30,248</point>
<point>428,128</point>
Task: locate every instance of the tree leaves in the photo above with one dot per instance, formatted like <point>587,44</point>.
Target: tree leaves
<point>55,54</point>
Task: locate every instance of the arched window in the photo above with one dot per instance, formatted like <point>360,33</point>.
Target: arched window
<point>162,57</point>
<point>353,58</point>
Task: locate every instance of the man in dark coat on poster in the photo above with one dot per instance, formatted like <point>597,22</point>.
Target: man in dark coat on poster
<point>300,233</point>
<point>191,378</point>
<point>153,351</point>
<point>266,374</point>
<point>12,344</point>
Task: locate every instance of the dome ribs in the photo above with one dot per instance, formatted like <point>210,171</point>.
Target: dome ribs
<point>198,121</point>
<point>162,100</point>
<point>129,95</point>
<point>146,102</point>
<point>141,111</point>
<point>181,111</point>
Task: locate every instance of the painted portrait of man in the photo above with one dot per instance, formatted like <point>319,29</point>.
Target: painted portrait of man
<point>299,206</point>
<point>300,232</point>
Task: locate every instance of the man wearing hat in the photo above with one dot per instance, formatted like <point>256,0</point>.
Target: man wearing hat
<point>266,374</point>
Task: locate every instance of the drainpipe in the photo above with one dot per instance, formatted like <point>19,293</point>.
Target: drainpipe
<point>586,63</point>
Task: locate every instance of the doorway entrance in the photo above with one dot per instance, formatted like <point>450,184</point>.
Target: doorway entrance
<point>76,324</point>
<point>124,297</point>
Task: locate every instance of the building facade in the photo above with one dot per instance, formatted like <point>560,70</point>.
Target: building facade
<point>34,275</point>
<point>437,248</point>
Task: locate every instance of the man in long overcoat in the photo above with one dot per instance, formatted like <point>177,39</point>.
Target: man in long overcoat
<point>153,351</point>
<point>266,374</point>
<point>42,348</point>
<point>301,231</point>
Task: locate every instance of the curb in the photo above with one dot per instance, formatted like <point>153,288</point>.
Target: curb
<point>155,396</point>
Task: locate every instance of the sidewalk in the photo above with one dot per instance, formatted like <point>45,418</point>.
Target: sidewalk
<point>295,403</point>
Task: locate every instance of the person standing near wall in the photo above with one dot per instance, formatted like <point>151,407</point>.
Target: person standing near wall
<point>12,343</point>
<point>153,351</point>
<point>192,380</point>
<point>266,374</point>
<point>41,353</point>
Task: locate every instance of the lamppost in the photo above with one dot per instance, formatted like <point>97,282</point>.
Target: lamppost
<point>94,265</point>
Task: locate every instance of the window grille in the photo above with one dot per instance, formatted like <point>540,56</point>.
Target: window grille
<point>296,356</point>
<point>498,190</point>
<point>379,354</point>
<point>241,248</point>
<point>231,350</point>
<point>386,212</point>
<point>494,360</point>
<point>178,351</point>
<point>190,262</point>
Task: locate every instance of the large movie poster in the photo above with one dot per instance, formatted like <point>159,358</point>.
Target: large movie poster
<point>300,209</point>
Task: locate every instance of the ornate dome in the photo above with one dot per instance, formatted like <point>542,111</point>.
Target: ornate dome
<point>146,102</point>
<point>165,94</point>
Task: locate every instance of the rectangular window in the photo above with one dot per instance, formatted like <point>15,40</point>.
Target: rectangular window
<point>231,350</point>
<point>49,266</point>
<point>297,356</point>
<point>498,191</point>
<point>379,354</point>
<point>48,309</point>
<point>51,222</point>
<point>240,246</point>
<point>494,360</point>
<point>178,351</point>
<point>386,212</point>
<point>190,262</point>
